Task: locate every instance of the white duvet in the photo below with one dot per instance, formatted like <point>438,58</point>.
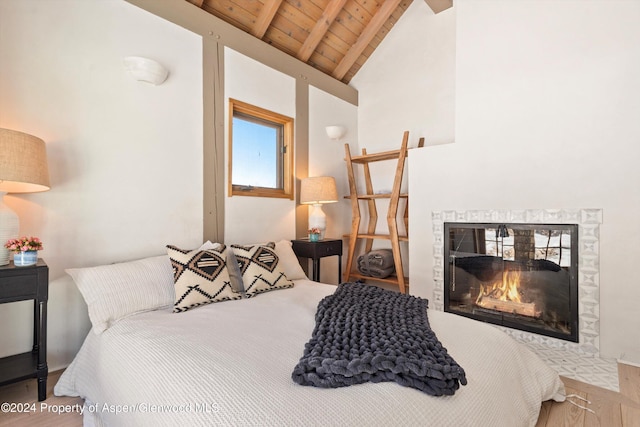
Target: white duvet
<point>230,363</point>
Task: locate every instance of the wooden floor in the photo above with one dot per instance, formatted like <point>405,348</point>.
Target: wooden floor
<point>610,409</point>
<point>26,394</point>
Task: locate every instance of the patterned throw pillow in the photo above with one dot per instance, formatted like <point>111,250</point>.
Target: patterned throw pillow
<point>259,268</point>
<point>200,277</point>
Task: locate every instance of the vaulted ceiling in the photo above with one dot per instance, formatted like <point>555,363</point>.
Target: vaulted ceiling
<point>333,36</point>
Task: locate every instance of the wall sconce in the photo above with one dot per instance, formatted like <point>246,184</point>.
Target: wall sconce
<point>316,191</point>
<point>146,70</point>
<point>23,169</point>
<point>336,132</point>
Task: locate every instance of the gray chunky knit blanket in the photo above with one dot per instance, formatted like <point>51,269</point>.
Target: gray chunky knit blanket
<point>364,333</point>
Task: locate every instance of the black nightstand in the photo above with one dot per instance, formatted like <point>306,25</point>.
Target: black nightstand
<point>20,284</point>
<point>303,248</point>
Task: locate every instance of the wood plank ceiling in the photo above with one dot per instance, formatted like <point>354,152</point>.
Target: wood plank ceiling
<point>333,36</point>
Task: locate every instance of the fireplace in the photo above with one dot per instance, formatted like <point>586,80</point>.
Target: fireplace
<point>521,276</point>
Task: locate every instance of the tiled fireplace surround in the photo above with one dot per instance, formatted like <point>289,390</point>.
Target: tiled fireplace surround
<point>576,360</point>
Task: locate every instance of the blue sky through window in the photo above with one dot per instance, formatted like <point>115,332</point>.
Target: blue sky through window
<point>255,152</point>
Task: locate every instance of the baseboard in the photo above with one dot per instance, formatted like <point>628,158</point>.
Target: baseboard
<point>627,362</point>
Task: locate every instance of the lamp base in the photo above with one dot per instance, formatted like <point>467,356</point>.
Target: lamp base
<point>317,219</point>
<point>9,229</point>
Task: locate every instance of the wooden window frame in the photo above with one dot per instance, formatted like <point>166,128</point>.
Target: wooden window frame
<point>286,192</point>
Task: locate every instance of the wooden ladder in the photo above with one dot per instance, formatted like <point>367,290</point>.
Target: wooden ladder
<point>370,197</point>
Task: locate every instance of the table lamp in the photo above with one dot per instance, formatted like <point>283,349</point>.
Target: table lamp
<point>316,191</point>
<point>23,169</point>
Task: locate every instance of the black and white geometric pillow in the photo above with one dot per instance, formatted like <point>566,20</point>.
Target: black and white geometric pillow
<point>259,268</point>
<point>200,277</point>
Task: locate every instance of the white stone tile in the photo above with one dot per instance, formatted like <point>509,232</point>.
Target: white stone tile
<point>591,370</point>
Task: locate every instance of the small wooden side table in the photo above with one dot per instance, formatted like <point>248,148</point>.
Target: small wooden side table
<point>303,248</point>
<point>20,284</point>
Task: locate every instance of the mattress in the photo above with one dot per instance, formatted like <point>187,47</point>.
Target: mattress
<point>230,363</point>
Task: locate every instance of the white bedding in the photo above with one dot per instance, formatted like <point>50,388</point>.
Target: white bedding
<point>230,363</point>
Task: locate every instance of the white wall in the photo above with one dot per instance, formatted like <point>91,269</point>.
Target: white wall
<point>408,83</point>
<point>546,108</point>
<point>125,157</point>
<point>253,219</point>
<point>326,158</point>
<point>257,219</point>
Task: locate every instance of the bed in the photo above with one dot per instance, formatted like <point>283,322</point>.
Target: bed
<point>230,363</point>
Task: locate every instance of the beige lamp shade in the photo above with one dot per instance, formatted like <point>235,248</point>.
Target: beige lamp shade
<point>23,169</point>
<point>23,163</point>
<point>318,190</point>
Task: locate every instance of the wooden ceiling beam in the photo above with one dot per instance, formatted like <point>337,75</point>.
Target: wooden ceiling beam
<point>320,29</point>
<point>197,2</point>
<point>266,16</point>
<point>439,5</point>
<point>370,31</point>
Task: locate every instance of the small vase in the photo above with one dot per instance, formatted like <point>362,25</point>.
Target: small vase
<point>314,237</point>
<point>24,259</point>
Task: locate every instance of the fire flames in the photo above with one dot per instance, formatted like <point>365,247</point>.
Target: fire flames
<point>505,296</point>
<point>506,289</point>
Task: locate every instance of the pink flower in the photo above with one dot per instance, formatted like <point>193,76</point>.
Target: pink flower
<point>24,244</point>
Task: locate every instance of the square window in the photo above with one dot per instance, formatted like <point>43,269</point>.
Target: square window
<point>260,152</point>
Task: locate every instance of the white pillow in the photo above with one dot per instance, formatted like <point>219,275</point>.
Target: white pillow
<point>289,261</point>
<point>119,290</point>
<point>208,245</point>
